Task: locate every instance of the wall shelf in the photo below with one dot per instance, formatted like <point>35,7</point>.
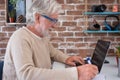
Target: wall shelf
<point>101,31</point>
<point>15,24</point>
<point>102,13</point>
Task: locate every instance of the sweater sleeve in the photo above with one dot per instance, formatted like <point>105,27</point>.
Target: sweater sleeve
<point>57,55</point>
<point>26,70</point>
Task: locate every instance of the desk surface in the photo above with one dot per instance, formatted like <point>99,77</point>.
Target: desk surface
<point>110,70</point>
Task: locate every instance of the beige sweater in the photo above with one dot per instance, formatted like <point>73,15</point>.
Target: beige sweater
<point>28,57</point>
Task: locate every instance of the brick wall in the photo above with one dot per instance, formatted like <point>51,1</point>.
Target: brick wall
<point>69,36</point>
<point>2,24</point>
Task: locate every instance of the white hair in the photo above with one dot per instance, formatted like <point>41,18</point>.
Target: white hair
<point>45,7</point>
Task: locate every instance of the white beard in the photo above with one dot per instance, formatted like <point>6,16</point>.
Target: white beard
<point>44,32</point>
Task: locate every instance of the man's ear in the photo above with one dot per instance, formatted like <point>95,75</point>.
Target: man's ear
<point>37,17</point>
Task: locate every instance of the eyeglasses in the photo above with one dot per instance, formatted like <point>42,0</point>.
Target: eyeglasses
<point>50,19</point>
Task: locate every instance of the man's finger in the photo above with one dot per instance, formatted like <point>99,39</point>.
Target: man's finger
<point>72,63</point>
<point>79,60</point>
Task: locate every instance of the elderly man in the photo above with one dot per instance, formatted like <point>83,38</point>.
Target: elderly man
<point>29,52</point>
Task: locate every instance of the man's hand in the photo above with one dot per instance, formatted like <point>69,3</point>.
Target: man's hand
<point>87,72</point>
<point>72,59</point>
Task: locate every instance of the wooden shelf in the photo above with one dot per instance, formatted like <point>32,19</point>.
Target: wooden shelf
<point>101,31</point>
<point>102,13</point>
<point>15,24</point>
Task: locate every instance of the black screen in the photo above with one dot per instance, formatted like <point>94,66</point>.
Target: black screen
<point>100,53</point>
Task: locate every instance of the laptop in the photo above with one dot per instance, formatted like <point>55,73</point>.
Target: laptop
<point>99,54</point>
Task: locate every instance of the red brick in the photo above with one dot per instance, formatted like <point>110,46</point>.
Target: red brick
<point>60,1</point>
<point>108,38</point>
<point>3,45</point>
<point>81,44</point>
<point>69,23</point>
<point>60,28</point>
<point>79,17</point>
<point>93,2</point>
<point>89,39</point>
<point>72,51</point>
<point>65,34</point>
<point>73,1</point>
<point>66,45</point>
<point>81,34</point>
<point>2,34</point>
<point>56,39</point>
<point>4,39</point>
<point>89,7</point>
<point>74,13</point>
<point>78,51</point>
<point>74,39</point>
<point>88,52</point>
<point>53,34</point>
<point>68,7</point>
<point>2,23</point>
<point>83,55</point>
<point>2,1</point>
<point>92,45</point>
<point>74,28</point>
<point>118,39</point>
<point>80,24</point>
<point>2,6</point>
<point>65,18</point>
<point>98,18</point>
<point>101,34</point>
<point>9,28</point>
<point>2,18</point>
<point>3,52</point>
<point>107,1</point>
<point>80,7</point>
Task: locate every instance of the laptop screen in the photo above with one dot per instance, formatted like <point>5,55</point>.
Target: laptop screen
<point>100,53</point>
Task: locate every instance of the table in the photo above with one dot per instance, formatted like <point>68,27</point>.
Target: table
<point>110,70</point>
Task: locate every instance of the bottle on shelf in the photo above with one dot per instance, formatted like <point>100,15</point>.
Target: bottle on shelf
<point>115,7</point>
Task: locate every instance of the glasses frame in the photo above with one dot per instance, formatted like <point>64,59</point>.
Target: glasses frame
<point>50,19</point>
